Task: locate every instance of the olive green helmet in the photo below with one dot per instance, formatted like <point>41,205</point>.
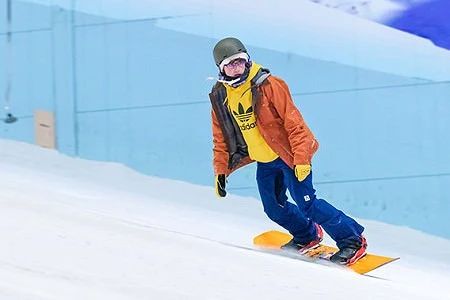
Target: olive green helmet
<point>226,48</point>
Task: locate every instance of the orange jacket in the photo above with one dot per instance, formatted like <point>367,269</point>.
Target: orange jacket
<point>277,118</point>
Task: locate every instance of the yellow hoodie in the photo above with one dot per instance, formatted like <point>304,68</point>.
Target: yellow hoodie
<point>240,105</point>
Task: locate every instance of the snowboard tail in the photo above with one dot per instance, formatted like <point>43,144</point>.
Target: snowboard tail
<point>274,239</point>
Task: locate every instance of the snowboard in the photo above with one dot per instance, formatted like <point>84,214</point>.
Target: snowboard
<point>274,239</point>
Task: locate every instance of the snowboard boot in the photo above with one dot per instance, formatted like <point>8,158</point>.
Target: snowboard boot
<point>305,248</point>
<point>351,253</point>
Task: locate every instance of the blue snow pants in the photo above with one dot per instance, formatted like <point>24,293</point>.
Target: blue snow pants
<point>274,178</point>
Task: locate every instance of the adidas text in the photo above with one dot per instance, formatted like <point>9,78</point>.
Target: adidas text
<point>248,126</point>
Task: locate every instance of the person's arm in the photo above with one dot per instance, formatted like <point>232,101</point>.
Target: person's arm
<point>300,137</point>
<point>220,153</point>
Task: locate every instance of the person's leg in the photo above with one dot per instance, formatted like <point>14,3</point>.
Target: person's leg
<point>272,189</point>
<point>340,227</point>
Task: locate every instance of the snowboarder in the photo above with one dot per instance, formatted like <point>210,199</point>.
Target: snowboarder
<point>254,119</point>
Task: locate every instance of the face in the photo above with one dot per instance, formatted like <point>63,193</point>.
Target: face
<point>235,67</point>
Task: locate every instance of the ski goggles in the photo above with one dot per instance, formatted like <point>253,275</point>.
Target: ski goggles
<point>239,62</point>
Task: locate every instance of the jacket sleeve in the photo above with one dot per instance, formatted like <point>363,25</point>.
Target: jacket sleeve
<point>302,142</point>
<point>220,153</point>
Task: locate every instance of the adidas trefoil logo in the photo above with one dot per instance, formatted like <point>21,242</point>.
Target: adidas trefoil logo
<point>243,115</point>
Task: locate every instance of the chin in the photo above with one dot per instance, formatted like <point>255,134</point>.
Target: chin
<point>235,75</point>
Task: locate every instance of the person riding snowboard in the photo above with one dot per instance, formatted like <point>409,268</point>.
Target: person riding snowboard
<point>255,119</point>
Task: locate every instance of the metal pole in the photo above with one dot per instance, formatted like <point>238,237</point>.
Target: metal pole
<point>8,57</point>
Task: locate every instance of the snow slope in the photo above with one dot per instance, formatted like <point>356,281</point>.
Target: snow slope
<point>76,229</point>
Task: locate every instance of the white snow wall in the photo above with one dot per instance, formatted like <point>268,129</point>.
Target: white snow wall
<point>134,91</point>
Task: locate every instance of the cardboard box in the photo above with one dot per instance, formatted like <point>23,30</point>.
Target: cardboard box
<point>44,126</point>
